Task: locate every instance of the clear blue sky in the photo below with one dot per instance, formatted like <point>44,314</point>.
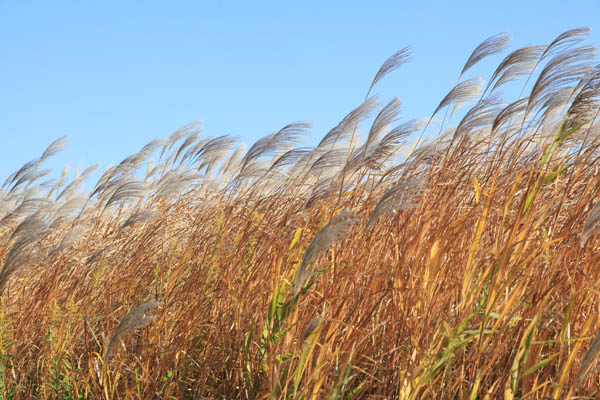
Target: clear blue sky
<point>115,74</point>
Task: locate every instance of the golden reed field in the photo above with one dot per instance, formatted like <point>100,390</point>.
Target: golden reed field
<point>451,258</point>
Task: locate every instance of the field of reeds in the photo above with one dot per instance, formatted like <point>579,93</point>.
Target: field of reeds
<point>452,258</point>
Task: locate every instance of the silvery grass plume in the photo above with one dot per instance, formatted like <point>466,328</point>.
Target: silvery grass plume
<point>280,175</point>
<point>188,153</point>
<point>189,140</point>
<point>382,151</point>
<point>270,144</point>
<point>61,181</point>
<point>24,209</point>
<point>336,229</point>
<point>134,161</point>
<point>212,152</point>
<point>126,191</point>
<point>22,252</point>
<point>323,189</point>
<point>469,89</point>
<point>256,169</point>
<point>72,188</point>
<point>230,167</point>
<point>289,158</point>
<point>387,116</point>
<point>553,107</point>
<point>387,148</point>
<point>587,97</point>
<point>316,164</point>
<point>29,168</point>
<point>29,177</point>
<point>567,67</point>
<point>31,225</point>
<point>310,328</point>
<point>545,79</point>
<point>47,184</point>
<point>592,224</point>
<point>29,192</point>
<point>29,172</point>
<point>328,164</point>
<point>105,182</point>
<point>5,205</point>
<point>271,178</point>
<point>136,318</point>
<point>156,170</point>
<point>115,177</point>
<point>513,111</point>
<point>336,140</point>
<point>191,129</point>
<point>417,159</point>
<point>174,182</point>
<point>480,116</point>
<point>54,148</point>
<point>392,63</point>
<point>492,45</point>
<point>355,162</point>
<point>69,208</point>
<point>75,235</point>
<point>153,145</point>
<point>588,364</point>
<point>402,196</point>
<point>565,40</point>
<point>463,92</point>
<point>345,128</point>
<point>515,65</point>
<point>26,168</point>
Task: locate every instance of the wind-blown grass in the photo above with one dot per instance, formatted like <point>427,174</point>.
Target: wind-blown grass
<point>462,266</point>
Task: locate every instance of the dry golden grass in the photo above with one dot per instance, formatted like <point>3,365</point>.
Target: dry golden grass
<point>462,270</point>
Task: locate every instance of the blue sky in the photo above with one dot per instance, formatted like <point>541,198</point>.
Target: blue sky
<point>114,75</point>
